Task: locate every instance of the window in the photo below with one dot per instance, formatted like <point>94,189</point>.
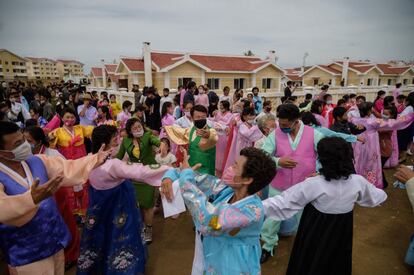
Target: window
<point>405,81</point>
<point>315,81</point>
<point>389,81</point>
<point>412,81</point>
<point>213,83</point>
<point>369,81</point>
<point>184,81</point>
<point>379,81</point>
<point>239,83</point>
<point>1,69</point>
<point>266,83</point>
<point>7,63</point>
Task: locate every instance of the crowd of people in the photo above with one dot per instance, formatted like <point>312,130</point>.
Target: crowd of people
<point>82,174</point>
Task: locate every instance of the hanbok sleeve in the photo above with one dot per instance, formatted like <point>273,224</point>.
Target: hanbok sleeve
<point>369,195</point>
<point>150,174</point>
<point>73,171</point>
<point>269,146</point>
<point>250,134</point>
<point>178,135</point>
<point>16,210</point>
<point>329,133</point>
<point>289,202</point>
<point>216,219</point>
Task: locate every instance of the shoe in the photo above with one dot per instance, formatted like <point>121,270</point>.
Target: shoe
<point>409,152</point>
<point>265,256</point>
<point>148,234</point>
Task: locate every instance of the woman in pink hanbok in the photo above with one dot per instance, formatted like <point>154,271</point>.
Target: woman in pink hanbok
<point>245,134</point>
<point>223,117</point>
<point>367,155</point>
<point>316,110</point>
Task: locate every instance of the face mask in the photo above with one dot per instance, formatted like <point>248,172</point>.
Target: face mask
<point>12,100</point>
<point>32,146</point>
<point>228,176</point>
<point>138,133</point>
<point>22,152</point>
<point>200,124</point>
<point>187,114</point>
<point>251,122</point>
<point>69,122</point>
<point>287,130</point>
<point>329,102</point>
<point>268,109</point>
<point>385,117</point>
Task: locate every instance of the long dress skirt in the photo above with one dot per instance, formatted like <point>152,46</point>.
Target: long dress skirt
<point>323,244</point>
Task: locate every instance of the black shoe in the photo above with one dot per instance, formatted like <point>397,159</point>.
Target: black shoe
<point>265,256</point>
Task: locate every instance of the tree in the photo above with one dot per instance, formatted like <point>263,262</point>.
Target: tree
<point>249,53</point>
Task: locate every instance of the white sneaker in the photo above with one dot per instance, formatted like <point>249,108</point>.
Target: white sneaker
<point>409,152</point>
<point>148,234</point>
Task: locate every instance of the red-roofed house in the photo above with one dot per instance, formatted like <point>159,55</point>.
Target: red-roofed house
<point>95,77</point>
<point>320,75</point>
<point>294,76</point>
<point>171,69</point>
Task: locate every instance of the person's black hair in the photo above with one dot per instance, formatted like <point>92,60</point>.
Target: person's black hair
<point>341,101</point>
<point>398,85</point>
<point>345,98</point>
<point>180,87</point>
<point>336,158</point>
<point>68,110</point>
<point>316,106</point>
<point>352,95</point>
<point>246,103</point>
<point>129,124</point>
<point>126,104</point>
<point>379,94</point>
<point>185,103</point>
<point>267,103</point>
<point>165,106</point>
<point>325,87</point>
<point>393,111</point>
<point>198,108</point>
<point>401,97</point>
<point>255,88</point>
<point>289,83</point>
<point>104,94</point>
<point>325,97</point>
<point>37,134</point>
<point>105,110</point>
<point>365,108</point>
<point>102,135</point>
<point>140,107</point>
<point>288,111</point>
<point>309,119</point>
<point>112,95</point>
<point>190,85</point>
<point>338,112</point>
<point>259,166</point>
<point>283,99</point>
<point>7,128</point>
<point>166,141</point>
<point>225,104</point>
<point>361,97</point>
<point>389,101</point>
<point>308,96</point>
<point>176,99</point>
<point>46,94</point>
<point>30,122</point>
<point>293,98</point>
<point>409,100</point>
<point>35,109</point>
<point>166,90</point>
<point>247,112</point>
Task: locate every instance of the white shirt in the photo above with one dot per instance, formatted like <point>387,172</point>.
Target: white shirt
<point>224,98</point>
<point>163,100</point>
<point>167,160</point>
<point>16,108</point>
<point>331,197</point>
<point>407,110</point>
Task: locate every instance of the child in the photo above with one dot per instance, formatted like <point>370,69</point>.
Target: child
<point>342,125</point>
<point>227,214</point>
<point>400,103</point>
<point>202,97</point>
<point>123,116</point>
<point>115,105</point>
<point>323,244</point>
<point>165,157</point>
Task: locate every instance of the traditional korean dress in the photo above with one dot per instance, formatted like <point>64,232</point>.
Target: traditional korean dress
<point>323,244</point>
<point>111,240</point>
<point>223,119</point>
<point>367,156</point>
<point>228,234</point>
<point>168,120</point>
<point>71,146</point>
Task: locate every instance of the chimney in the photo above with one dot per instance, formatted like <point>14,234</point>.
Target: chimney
<point>345,66</point>
<point>272,57</point>
<point>146,52</point>
<point>104,76</point>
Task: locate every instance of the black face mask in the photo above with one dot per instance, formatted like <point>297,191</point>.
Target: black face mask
<point>200,123</point>
<point>268,109</point>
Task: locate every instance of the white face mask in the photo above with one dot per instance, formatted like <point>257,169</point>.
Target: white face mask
<point>22,152</point>
<point>138,133</point>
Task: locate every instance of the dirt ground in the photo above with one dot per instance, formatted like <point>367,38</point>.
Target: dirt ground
<point>381,237</point>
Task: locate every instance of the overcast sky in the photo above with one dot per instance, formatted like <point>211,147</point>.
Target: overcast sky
<point>90,30</point>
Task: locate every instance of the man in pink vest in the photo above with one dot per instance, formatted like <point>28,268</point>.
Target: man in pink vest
<point>293,147</point>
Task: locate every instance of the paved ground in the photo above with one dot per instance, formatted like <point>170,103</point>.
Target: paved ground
<point>381,238</point>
